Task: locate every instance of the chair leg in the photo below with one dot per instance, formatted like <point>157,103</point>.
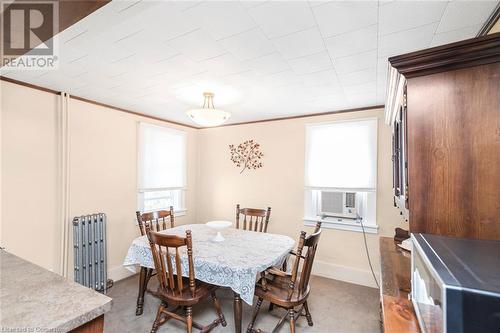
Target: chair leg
<point>149,274</point>
<point>189,319</point>
<point>254,316</point>
<point>291,314</point>
<point>308,314</point>
<point>222,320</point>
<point>142,289</point>
<point>237,312</point>
<point>280,323</point>
<point>271,307</point>
<point>158,319</point>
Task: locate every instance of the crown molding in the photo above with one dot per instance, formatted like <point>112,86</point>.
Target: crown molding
<point>301,116</point>
<point>29,85</point>
<point>471,52</point>
<point>51,91</point>
<point>132,112</point>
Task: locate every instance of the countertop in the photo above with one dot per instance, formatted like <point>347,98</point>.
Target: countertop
<point>32,297</point>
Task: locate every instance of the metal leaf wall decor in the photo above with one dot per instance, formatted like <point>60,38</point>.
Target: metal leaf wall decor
<point>246,155</point>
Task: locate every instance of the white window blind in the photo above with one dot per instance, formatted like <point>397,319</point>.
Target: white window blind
<point>161,167</point>
<point>342,155</point>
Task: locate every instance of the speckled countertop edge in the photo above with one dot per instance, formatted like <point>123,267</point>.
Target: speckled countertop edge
<point>32,297</point>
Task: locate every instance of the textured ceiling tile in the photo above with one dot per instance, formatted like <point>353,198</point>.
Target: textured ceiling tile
<point>338,17</point>
<point>222,19</point>
<point>403,15</point>
<point>300,44</point>
<point>359,77</point>
<point>406,41</point>
<point>311,63</point>
<point>356,62</point>
<point>197,45</point>
<point>222,65</point>
<point>277,18</point>
<point>248,45</point>
<point>455,35</point>
<point>281,79</point>
<point>268,64</point>
<point>353,42</point>
<point>461,14</point>
<point>157,57</point>
<point>328,77</point>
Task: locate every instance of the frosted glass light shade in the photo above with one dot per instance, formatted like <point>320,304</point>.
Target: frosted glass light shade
<point>208,117</point>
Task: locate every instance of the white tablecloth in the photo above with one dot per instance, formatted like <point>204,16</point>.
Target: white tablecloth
<point>232,263</point>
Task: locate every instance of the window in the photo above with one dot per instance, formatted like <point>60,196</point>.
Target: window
<point>341,174</point>
<point>161,168</point>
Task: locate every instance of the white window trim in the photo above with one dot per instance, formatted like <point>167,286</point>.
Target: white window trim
<point>177,213</point>
<point>180,212</point>
<point>338,223</point>
<point>341,189</point>
<point>142,190</point>
<point>341,224</point>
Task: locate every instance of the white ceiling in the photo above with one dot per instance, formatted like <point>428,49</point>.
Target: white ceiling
<point>262,59</point>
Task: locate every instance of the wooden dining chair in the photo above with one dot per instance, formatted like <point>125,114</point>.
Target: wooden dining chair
<point>317,228</point>
<point>158,220</point>
<point>253,219</point>
<point>178,291</point>
<point>289,290</point>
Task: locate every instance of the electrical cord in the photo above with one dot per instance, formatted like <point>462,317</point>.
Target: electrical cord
<point>360,219</point>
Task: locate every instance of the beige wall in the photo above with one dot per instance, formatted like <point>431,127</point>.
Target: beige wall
<point>280,184</point>
<point>103,179</point>
<point>103,174</point>
<point>29,175</point>
<point>495,28</point>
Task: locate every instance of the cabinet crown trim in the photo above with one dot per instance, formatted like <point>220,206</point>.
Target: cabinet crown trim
<point>471,52</point>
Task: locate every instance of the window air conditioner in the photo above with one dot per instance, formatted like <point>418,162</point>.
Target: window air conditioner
<point>338,204</point>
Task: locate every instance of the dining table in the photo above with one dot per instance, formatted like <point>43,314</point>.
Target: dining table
<point>236,262</point>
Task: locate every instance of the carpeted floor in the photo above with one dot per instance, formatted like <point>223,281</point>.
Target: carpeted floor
<point>335,307</point>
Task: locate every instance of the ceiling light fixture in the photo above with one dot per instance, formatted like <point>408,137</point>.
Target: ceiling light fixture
<point>208,115</point>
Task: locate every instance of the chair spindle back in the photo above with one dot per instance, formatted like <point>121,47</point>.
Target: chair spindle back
<point>253,219</point>
<point>157,220</point>
<point>311,244</point>
<point>166,253</point>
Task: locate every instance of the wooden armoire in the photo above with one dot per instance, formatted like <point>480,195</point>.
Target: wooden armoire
<point>444,106</point>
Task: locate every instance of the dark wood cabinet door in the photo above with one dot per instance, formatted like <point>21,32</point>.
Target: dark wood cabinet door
<point>454,152</point>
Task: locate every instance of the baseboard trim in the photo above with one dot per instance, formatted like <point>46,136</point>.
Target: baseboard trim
<point>345,273</point>
<point>320,268</point>
<point>119,273</point>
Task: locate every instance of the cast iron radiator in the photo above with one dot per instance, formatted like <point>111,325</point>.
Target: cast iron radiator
<point>90,259</point>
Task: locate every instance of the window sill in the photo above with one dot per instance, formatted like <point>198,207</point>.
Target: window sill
<point>180,212</point>
<point>332,223</point>
<point>177,213</point>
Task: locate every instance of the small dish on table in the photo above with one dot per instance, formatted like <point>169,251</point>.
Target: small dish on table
<point>219,226</point>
